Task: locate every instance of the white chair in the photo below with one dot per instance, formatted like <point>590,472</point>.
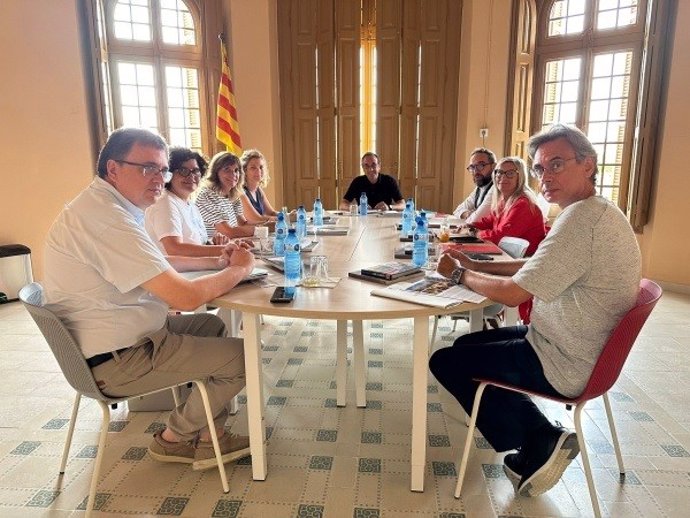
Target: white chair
<point>516,248</point>
<point>78,374</point>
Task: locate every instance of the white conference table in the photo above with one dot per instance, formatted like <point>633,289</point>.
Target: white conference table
<point>371,240</point>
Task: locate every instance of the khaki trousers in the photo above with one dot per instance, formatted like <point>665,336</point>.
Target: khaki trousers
<point>188,347</point>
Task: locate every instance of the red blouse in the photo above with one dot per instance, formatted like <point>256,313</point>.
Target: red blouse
<point>523,219</point>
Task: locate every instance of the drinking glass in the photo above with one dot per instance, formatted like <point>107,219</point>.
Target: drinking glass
<point>317,271</point>
<point>261,232</point>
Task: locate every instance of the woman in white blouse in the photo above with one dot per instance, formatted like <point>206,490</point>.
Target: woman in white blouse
<point>174,222</point>
<point>257,208</point>
<point>219,198</point>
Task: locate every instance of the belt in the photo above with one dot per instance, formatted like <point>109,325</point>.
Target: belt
<point>95,361</point>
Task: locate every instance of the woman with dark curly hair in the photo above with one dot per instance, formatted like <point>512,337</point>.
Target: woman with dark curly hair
<point>174,222</point>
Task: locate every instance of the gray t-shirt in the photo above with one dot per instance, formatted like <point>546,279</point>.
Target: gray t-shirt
<point>584,277</point>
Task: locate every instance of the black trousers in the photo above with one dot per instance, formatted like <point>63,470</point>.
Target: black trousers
<point>506,419</point>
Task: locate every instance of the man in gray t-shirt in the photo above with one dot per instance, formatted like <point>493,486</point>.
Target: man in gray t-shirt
<point>584,277</point>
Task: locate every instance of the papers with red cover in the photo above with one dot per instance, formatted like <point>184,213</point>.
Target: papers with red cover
<point>474,248</point>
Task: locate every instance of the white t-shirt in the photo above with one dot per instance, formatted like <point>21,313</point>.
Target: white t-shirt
<point>172,216</point>
<point>96,258</point>
<point>584,276</point>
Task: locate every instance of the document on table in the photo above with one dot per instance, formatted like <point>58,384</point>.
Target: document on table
<point>434,290</point>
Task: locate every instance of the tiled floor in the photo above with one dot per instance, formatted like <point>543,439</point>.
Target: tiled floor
<point>341,462</point>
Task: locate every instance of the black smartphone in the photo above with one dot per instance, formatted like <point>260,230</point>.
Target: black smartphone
<point>280,296</point>
<point>479,257</point>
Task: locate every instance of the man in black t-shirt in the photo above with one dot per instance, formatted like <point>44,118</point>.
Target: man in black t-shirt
<point>382,190</point>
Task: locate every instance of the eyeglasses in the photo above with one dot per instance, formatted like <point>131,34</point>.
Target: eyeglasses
<point>554,166</point>
<point>150,169</point>
<point>508,174</point>
<point>472,168</point>
<point>184,172</point>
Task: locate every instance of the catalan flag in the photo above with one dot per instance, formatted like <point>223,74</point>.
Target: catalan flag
<point>227,127</point>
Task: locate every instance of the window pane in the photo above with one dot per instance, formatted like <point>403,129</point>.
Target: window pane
<point>177,23</point>
<point>567,17</point>
<point>613,14</point>
<point>608,113</point>
<point>561,91</point>
<point>132,20</point>
<point>184,116</point>
<point>137,95</point>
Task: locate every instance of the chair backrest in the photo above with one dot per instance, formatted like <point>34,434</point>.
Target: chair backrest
<point>620,342</point>
<point>515,247</point>
<point>65,349</point>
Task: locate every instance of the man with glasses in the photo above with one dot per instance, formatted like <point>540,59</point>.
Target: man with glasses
<point>584,277</point>
<point>113,287</point>
<point>382,189</point>
<point>478,204</point>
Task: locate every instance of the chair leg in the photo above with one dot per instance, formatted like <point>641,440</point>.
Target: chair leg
<point>234,406</point>
<point>214,435</point>
<point>105,422</point>
<point>468,441</point>
<point>585,460</point>
<point>70,433</point>
<point>614,434</point>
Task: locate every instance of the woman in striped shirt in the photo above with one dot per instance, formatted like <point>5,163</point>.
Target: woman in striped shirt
<point>219,199</point>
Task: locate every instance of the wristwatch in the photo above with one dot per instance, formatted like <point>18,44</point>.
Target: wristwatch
<point>456,276</point>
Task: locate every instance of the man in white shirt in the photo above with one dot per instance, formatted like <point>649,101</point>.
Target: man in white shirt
<point>112,287</point>
<point>584,277</point>
<point>478,204</point>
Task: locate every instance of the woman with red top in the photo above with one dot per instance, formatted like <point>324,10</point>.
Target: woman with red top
<point>514,211</point>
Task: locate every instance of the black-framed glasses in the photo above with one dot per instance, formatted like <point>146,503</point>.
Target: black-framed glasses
<point>185,172</point>
<point>554,166</point>
<point>149,169</point>
<point>508,174</point>
<point>472,168</point>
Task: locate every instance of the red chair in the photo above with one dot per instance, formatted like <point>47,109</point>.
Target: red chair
<point>606,371</point>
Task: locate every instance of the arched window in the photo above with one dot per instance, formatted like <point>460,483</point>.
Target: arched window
<point>154,64</point>
<point>598,62</point>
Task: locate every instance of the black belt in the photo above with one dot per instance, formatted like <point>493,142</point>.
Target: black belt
<point>95,361</point>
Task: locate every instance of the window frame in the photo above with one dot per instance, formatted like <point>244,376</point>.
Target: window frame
<point>586,45</point>
<point>102,49</point>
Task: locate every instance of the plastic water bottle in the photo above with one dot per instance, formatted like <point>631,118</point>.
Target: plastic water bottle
<point>281,234</point>
<point>363,204</point>
<point>406,222</point>
<point>293,261</point>
<point>318,213</point>
<point>411,201</point>
<point>301,222</point>
<point>420,247</point>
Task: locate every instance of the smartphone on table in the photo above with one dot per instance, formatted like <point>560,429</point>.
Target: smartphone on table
<point>281,296</point>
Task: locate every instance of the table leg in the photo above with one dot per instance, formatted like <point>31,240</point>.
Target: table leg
<point>420,360</point>
<point>476,320</point>
<point>255,401</point>
<point>341,363</point>
<point>358,358</point>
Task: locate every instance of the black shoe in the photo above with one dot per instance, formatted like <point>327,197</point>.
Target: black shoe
<point>513,466</point>
<point>546,460</point>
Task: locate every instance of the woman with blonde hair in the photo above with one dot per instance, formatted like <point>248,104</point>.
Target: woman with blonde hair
<point>514,211</point>
<point>219,200</point>
<point>257,208</point>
